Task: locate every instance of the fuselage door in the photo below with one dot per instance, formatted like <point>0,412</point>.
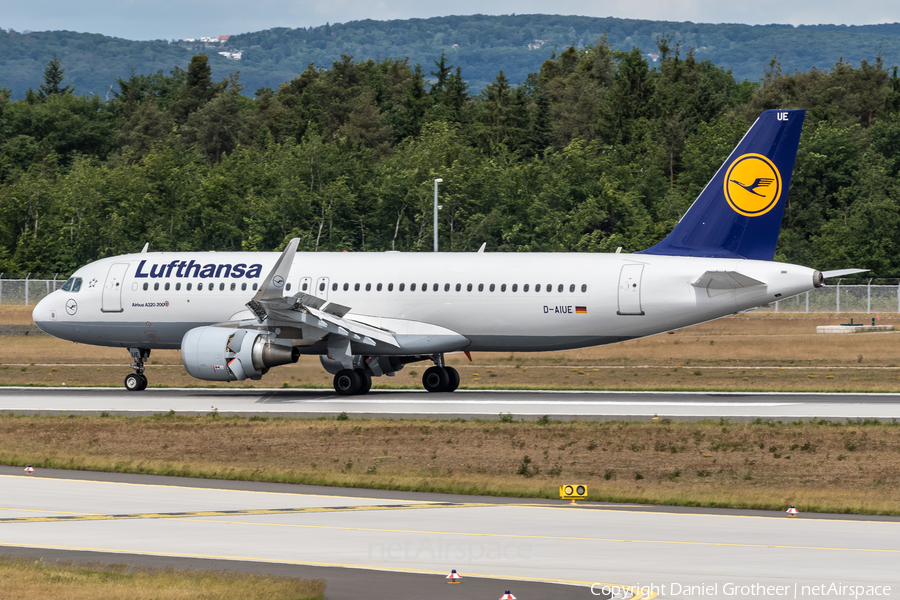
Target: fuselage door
<point>112,289</point>
<point>322,288</point>
<point>630,290</point>
<point>306,285</point>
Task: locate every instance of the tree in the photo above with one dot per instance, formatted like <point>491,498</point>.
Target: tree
<point>53,77</point>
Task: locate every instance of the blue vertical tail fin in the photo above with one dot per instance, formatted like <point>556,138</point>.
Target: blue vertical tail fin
<point>738,213</point>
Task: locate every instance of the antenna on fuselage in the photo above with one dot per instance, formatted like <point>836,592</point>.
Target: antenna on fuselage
<point>147,245</point>
<point>483,246</point>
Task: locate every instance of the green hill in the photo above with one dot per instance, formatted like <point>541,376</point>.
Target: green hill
<point>481,45</point>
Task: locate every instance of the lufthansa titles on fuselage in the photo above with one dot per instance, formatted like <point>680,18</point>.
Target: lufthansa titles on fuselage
<point>180,268</point>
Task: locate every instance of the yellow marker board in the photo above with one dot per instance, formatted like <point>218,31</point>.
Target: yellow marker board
<point>573,492</point>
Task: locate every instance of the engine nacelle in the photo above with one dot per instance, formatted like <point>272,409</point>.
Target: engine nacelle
<point>220,354</point>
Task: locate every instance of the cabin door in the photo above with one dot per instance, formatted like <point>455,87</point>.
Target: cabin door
<point>112,289</point>
<point>630,290</point>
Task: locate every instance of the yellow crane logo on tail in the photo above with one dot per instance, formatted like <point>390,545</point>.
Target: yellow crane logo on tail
<point>752,185</point>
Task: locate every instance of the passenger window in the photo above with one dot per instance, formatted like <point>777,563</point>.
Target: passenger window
<point>537,288</point>
<point>67,286</point>
<point>503,288</point>
<point>378,287</point>
<point>356,288</point>
<point>212,286</point>
<point>200,286</point>
<point>346,286</point>
<point>156,286</point>
<point>304,287</point>
<point>322,286</point>
<point>515,287</point>
<point>243,287</point>
<point>222,287</point>
<point>583,288</point>
<point>334,287</point>
<point>287,287</point>
<point>446,287</point>
<point>178,286</point>
<point>560,288</point>
<point>188,287</point>
<point>76,286</point>
<point>368,287</point>
<point>458,287</point>
<point>524,288</point>
<point>255,285</point>
<point>480,287</point>
<point>435,287</point>
<point>390,287</point>
<point>402,286</point>
<point>234,286</point>
<point>412,287</point>
<point>167,286</point>
<point>425,287</point>
<point>146,285</point>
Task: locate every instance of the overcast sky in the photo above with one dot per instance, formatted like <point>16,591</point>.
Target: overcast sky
<point>168,19</point>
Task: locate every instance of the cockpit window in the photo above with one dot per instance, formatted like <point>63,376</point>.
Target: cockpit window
<point>72,284</point>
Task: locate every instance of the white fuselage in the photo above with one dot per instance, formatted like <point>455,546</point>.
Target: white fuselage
<point>583,299</point>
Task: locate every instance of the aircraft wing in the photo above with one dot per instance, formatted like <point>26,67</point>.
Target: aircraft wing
<point>274,310</point>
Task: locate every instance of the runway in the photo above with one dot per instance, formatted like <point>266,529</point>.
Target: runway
<point>410,541</point>
<point>739,406</point>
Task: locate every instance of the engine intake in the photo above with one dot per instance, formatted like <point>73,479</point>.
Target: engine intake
<point>220,354</point>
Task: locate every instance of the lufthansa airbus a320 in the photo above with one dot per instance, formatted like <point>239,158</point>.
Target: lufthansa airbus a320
<point>234,316</point>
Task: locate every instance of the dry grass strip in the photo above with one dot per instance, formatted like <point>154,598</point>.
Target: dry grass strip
<point>28,579</point>
<point>745,353</point>
<point>818,466</point>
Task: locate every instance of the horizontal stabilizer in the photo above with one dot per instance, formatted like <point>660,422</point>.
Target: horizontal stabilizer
<point>725,280</point>
<point>842,272</point>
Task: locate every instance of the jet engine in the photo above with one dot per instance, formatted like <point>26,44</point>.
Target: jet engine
<point>220,354</point>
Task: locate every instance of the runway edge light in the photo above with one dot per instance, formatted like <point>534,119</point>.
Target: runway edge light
<point>792,512</point>
<point>29,470</point>
<point>573,492</point>
<point>507,596</point>
<point>454,577</point>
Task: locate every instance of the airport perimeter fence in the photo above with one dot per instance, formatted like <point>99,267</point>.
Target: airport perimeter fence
<point>18,289</point>
<point>876,296</point>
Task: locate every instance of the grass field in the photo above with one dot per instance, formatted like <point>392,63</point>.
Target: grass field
<point>817,466</point>
<point>762,352</point>
<point>28,579</point>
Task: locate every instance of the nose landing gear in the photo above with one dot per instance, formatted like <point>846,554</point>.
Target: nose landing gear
<point>137,381</point>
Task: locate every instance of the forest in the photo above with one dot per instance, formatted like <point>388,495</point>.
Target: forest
<point>597,149</point>
<point>480,44</point>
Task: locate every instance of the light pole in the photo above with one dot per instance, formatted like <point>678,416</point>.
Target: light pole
<point>436,207</point>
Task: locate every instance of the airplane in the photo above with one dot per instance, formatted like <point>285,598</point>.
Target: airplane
<point>235,315</point>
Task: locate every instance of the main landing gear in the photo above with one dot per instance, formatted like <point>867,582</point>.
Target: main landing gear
<point>358,380</point>
<point>440,379</point>
<point>137,381</point>
<point>350,382</point>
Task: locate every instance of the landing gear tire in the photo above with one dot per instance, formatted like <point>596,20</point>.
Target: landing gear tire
<point>453,376</point>
<point>135,382</point>
<point>436,379</point>
<point>365,381</point>
<point>347,382</point>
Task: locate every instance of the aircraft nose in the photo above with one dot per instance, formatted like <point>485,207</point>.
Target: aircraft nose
<point>44,313</point>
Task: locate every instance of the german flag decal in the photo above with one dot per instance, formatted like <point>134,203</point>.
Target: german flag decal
<point>581,310</point>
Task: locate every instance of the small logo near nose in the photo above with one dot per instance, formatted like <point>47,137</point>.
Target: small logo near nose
<point>71,307</point>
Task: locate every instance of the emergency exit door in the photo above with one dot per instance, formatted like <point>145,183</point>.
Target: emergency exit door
<point>112,289</point>
<point>630,290</point>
